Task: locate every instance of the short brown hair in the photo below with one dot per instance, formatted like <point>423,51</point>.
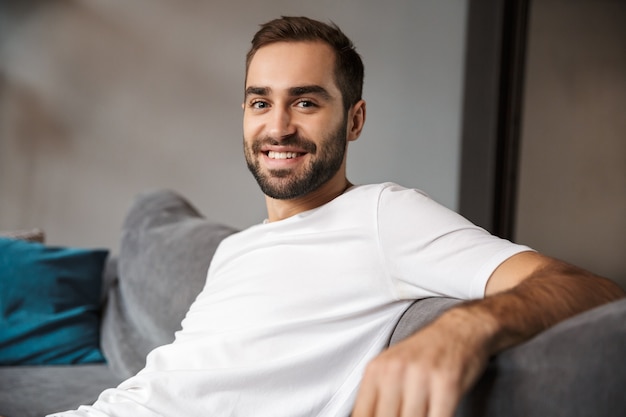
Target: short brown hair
<point>348,64</point>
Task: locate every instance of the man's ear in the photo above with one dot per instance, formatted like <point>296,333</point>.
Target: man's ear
<point>356,120</point>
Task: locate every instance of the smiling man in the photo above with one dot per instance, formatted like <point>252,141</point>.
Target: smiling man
<point>296,126</point>
<point>297,311</point>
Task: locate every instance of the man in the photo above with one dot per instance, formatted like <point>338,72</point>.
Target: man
<point>296,311</point>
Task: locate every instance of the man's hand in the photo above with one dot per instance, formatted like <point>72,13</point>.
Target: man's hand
<point>428,373</point>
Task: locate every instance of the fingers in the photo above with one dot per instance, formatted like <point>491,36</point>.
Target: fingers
<point>391,388</point>
<point>413,402</point>
<point>365,405</point>
<point>444,396</point>
<point>415,397</point>
<point>388,401</point>
<point>426,374</point>
<point>381,393</point>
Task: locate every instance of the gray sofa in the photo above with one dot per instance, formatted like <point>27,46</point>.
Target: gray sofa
<point>574,369</point>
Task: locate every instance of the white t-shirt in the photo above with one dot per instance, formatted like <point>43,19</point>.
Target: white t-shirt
<point>292,311</point>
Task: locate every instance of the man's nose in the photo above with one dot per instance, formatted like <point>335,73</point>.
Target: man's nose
<point>281,124</point>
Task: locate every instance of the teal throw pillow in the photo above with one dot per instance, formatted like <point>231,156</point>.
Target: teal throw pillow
<point>49,304</point>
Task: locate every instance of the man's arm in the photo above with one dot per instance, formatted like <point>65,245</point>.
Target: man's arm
<point>428,373</point>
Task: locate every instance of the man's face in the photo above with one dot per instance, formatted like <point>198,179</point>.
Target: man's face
<point>294,122</point>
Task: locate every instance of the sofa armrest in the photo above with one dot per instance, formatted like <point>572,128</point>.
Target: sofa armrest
<point>575,368</point>
<point>419,314</point>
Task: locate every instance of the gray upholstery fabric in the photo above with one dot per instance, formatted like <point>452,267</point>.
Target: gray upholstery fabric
<point>574,369</point>
<point>34,391</point>
<point>165,251</point>
<point>419,314</point>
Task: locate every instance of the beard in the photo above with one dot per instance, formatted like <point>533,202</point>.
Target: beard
<point>286,184</point>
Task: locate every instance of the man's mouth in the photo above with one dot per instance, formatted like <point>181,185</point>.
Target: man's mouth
<point>283,155</point>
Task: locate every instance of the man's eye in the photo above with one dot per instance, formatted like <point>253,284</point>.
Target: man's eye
<point>258,105</point>
<point>305,104</point>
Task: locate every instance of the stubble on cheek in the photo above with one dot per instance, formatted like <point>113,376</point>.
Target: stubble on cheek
<point>320,166</point>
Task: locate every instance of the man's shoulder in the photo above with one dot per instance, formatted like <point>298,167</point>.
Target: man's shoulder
<point>382,187</point>
<point>389,191</point>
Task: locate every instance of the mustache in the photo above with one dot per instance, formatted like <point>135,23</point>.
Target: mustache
<point>295,141</point>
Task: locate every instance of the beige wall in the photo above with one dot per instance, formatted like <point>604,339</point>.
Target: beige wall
<point>101,99</point>
<point>572,196</point>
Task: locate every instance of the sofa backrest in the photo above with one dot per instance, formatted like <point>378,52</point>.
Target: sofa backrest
<point>165,251</point>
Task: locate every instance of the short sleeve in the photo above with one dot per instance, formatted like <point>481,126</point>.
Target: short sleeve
<point>430,250</point>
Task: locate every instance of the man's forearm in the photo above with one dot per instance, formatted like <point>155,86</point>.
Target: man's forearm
<point>551,294</point>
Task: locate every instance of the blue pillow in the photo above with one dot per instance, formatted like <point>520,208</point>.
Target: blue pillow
<point>49,304</point>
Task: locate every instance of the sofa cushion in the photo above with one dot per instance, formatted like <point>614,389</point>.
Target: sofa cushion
<point>49,303</point>
<point>36,391</point>
<point>165,251</point>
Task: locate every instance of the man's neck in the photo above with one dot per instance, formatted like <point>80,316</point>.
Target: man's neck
<point>282,209</point>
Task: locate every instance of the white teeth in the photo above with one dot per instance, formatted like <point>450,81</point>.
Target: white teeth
<point>282,155</point>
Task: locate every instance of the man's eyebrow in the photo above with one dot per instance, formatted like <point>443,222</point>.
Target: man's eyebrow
<point>293,91</point>
<point>310,89</point>
<point>257,91</point>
